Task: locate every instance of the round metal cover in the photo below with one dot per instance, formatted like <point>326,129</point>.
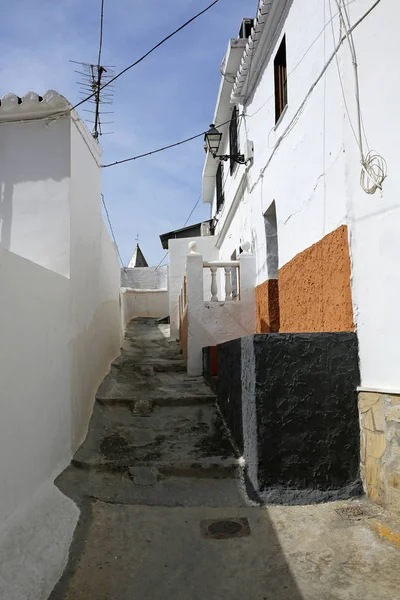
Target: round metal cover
<point>222,529</point>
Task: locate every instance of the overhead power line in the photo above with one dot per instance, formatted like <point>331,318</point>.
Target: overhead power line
<point>100,70</point>
<point>101,31</point>
<point>186,222</point>
<point>150,51</point>
<point>112,231</point>
<point>193,137</point>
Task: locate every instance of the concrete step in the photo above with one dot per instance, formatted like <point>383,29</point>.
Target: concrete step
<point>145,382</point>
<point>183,441</point>
<point>120,488</point>
<point>229,468</point>
<point>157,400</point>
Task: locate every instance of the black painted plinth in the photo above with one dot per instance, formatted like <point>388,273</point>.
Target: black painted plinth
<point>290,401</point>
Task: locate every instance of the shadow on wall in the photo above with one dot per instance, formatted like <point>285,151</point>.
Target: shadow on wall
<point>267,306</point>
<point>6,213</point>
<point>33,158</point>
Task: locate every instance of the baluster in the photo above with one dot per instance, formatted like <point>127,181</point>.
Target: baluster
<point>228,283</point>
<point>214,284</point>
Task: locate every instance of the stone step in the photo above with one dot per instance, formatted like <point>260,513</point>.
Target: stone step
<point>154,400</point>
<point>201,469</point>
<point>183,441</point>
<point>120,488</point>
<point>147,383</point>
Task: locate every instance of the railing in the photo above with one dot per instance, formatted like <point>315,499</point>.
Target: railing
<point>230,267</point>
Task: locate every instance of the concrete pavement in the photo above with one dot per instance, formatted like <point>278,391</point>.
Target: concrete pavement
<point>157,475</point>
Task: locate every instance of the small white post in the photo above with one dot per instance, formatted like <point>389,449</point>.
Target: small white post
<point>228,283</point>
<point>247,274</point>
<point>214,284</point>
<point>195,307</point>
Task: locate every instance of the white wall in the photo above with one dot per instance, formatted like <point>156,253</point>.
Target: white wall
<point>59,336</point>
<point>309,165</point>
<point>178,250</point>
<point>34,181</point>
<point>148,278</point>
<point>212,323</point>
<point>375,219</point>
<point>143,303</point>
<point>307,209</point>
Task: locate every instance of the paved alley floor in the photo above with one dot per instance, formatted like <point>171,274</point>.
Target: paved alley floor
<point>164,509</point>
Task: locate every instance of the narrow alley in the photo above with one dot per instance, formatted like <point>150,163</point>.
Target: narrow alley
<point>165,513</point>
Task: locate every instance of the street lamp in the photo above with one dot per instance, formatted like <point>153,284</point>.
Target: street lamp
<point>212,141</point>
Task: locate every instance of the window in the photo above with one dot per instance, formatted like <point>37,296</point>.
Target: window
<point>233,138</point>
<point>271,238</point>
<point>219,185</point>
<point>280,80</point>
<point>270,315</point>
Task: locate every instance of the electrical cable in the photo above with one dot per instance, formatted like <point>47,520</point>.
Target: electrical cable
<point>191,212</point>
<point>193,137</point>
<point>112,231</point>
<point>101,32</point>
<point>100,70</point>
<point>380,167</point>
<point>373,165</point>
<point>148,53</point>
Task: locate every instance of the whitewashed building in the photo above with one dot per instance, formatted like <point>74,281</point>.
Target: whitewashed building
<point>310,101</point>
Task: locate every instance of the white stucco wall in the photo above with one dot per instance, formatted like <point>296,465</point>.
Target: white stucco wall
<point>60,332</point>
<point>178,250</point>
<point>34,181</point>
<point>148,278</point>
<point>295,177</point>
<point>212,323</point>
<point>143,303</point>
<point>374,220</point>
<point>313,172</point>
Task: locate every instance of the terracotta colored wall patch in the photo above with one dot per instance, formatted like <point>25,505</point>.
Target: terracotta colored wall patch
<point>312,293</point>
<point>314,287</point>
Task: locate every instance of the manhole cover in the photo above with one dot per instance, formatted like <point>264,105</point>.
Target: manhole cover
<point>352,513</point>
<point>223,529</point>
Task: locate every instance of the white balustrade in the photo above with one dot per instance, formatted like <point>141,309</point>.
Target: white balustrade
<point>227,266</point>
<point>214,284</point>
<point>228,283</point>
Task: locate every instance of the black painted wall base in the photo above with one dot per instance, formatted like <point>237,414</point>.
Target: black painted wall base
<point>290,401</point>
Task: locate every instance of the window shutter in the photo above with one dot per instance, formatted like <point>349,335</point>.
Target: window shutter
<point>233,137</point>
<point>219,186</point>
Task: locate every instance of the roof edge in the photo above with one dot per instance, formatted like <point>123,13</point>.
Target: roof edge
<point>269,12</point>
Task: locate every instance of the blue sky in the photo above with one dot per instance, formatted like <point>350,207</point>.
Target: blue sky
<point>169,96</point>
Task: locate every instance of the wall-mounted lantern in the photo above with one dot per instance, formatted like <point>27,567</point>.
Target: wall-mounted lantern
<point>212,141</point>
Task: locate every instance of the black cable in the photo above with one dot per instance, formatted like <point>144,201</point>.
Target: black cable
<point>101,32</point>
<point>149,52</point>
<point>191,212</point>
<point>193,137</point>
<point>112,231</point>
<point>97,124</point>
